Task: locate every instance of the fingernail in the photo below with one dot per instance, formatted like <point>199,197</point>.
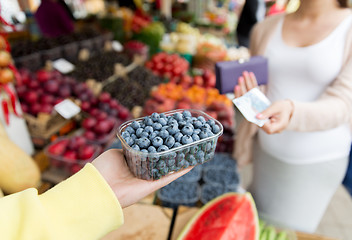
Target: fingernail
<point>259,116</point>
<point>245,73</point>
<point>240,79</point>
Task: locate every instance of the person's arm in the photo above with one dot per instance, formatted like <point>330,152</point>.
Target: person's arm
<point>84,206</point>
<point>81,207</point>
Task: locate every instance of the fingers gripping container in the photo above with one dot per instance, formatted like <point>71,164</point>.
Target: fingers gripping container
<point>153,166</point>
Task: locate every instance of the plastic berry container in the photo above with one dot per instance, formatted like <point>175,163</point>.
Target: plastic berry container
<point>69,165</point>
<point>153,166</point>
<point>179,193</point>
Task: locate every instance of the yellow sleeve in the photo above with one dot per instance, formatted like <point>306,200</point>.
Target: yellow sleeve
<point>81,207</point>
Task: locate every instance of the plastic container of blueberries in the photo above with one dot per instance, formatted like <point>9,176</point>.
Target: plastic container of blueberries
<point>144,165</point>
<point>175,199</point>
<point>66,165</point>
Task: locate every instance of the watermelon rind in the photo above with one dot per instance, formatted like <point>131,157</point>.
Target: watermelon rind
<point>184,232</point>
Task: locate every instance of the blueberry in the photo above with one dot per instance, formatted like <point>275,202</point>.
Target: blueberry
<point>196,131</point>
<point>210,134</point>
<point>163,171</point>
<point>155,174</point>
<point>157,142</point>
<point>186,139</point>
<point>192,160</point>
<point>135,125</point>
<point>163,148</point>
<point>208,147</point>
<point>178,116</point>
<point>142,124</point>
<point>145,134</point>
<point>215,129</point>
<point>162,115</point>
<point>181,124</point>
<point>186,164</point>
<point>195,137</point>
<point>211,122</point>
<point>153,135</point>
<point>203,134</point>
<point>181,163</point>
<point>163,121</point>
<point>177,144</point>
<point>164,134</point>
<point>197,124</point>
<point>155,117</point>
<point>148,129</point>
<point>194,149</point>
<point>136,147</point>
<point>171,162</point>
<point>143,142</point>
<point>187,130</point>
<point>172,129</point>
<point>139,132</point>
<point>201,119</point>
<point>130,130</point>
<point>188,119</point>
<point>170,141</point>
<point>151,149</point>
<point>172,121</point>
<point>206,126</point>
<point>164,128</point>
<point>187,114</point>
<point>157,126</point>
<point>200,156</point>
<point>148,121</point>
<point>178,136</point>
<point>129,141</point>
<point>133,136</point>
<point>180,157</point>
<point>125,134</point>
<point>144,150</point>
<point>161,164</point>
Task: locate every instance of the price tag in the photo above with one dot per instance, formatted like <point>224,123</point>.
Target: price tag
<point>67,109</point>
<point>63,66</point>
<point>117,46</point>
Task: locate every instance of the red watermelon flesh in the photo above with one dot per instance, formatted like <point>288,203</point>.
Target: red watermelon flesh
<point>230,216</point>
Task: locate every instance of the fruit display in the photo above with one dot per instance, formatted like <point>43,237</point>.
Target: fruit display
<point>140,21</point>
<point>133,91</point>
<point>192,176</point>
<point>162,143</point>
<point>18,171</point>
<point>269,232</point>
<point>72,153</point>
<point>168,65</point>
<point>225,177</point>
<point>171,96</point>
<point>209,191</point>
<point>178,193</point>
<point>132,48</point>
<point>222,161</point>
<point>180,43</point>
<point>205,78</point>
<point>99,67</point>
<point>151,35</point>
<point>227,216</point>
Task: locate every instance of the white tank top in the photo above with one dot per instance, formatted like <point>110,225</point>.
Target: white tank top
<point>302,74</point>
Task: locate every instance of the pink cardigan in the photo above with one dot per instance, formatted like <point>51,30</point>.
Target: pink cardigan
<point>330,110</point>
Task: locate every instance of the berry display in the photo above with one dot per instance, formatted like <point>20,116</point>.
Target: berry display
<point>211,191</point>
<point>179,193</point>
<point>136,92</point>
<point>225,177</point>
<point>156,164</point>
<point>72,153</point>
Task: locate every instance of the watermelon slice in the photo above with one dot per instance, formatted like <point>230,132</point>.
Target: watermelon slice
<point>229,216</point>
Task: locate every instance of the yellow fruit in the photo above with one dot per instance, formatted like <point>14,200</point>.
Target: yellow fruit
<point>5,58</point>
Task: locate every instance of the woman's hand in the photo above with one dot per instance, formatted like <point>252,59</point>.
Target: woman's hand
<point>245,83</point>
<point>127,188</point>
<point>279,115</point>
